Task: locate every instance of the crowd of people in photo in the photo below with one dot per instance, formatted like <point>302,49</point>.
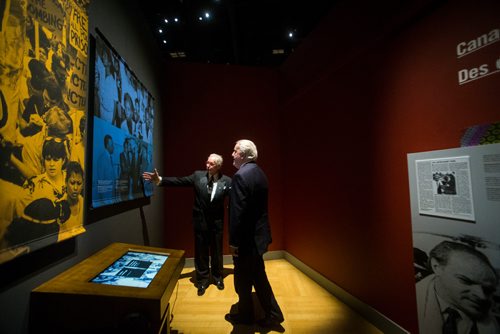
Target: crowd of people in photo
<point>43,133</point>
<point>42,136</point>
<point>120,98</point>
<point>124,111</point>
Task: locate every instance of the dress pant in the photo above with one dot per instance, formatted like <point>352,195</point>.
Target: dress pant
<point>249,271</point>
<point>208,254</point>
<point>216,261</point>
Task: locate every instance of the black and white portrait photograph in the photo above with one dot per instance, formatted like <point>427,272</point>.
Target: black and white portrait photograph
<point>457,283</point>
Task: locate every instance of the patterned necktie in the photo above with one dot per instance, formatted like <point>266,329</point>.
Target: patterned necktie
<point>450,324</point>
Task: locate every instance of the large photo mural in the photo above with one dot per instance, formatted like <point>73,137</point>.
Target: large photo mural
<point>122,130</point>
<point>43,98</point>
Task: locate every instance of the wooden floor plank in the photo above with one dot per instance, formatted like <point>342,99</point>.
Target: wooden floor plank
<point>306,306</point>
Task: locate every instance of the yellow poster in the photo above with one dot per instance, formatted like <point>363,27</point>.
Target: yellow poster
<point>43,98</point>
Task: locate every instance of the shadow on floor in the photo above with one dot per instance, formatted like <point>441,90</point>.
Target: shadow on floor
<point>237,328</point>
<point>192,275</point>
<point>255,328</point>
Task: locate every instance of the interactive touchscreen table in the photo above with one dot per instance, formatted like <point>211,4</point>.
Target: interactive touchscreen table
<point>122,288</point>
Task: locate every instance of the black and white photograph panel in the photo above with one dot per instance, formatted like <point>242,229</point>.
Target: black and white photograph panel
<point>457,283</point>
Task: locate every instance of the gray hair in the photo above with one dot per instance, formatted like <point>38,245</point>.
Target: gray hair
<point>217,159</point>
<point>248,148</point>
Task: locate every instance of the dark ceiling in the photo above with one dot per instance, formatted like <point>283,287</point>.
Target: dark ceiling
<point>243,32</point>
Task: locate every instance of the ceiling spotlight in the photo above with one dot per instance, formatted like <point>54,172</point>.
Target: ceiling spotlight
<point>166,21</point>
<point>160,31</point>
<point>200,18</point>
<point>290,34</point>
<point>207,15</point>
<point>164,41</point>
<point>176,19</point>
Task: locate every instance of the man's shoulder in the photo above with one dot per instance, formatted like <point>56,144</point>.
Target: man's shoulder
<point>426,280</point>
<point>251,169</point>
<point>198,174</point>
<point>423,286</point>
<point>249,166</point>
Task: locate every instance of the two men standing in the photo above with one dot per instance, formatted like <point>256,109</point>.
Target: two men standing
<point>249,230</point>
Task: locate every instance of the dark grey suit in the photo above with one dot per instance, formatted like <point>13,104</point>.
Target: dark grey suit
<point>208,221</point>
<point>249,231</point>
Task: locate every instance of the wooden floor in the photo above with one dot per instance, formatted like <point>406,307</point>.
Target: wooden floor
<point>307,307</point>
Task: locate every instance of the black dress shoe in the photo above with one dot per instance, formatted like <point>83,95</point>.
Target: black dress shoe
<point>237,319</point>
<point>201,290</point>
<point>220,284</point>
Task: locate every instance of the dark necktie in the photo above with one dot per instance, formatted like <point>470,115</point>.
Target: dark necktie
<point>450,324</point>
<point>474,329</point>
<point>210,185</point>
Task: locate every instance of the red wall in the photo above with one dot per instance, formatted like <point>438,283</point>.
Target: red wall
<point>210,107</point>
<point>374,82</point>
<point>352,125</point>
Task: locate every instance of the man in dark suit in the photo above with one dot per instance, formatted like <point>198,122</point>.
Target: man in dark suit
<point>210,188</point>
<point>249,237</point>
<point>459,295</point>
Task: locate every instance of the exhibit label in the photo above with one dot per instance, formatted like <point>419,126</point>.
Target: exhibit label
<point>488,67</point>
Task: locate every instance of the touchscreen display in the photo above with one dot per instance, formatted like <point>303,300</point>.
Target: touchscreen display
<point>134,268</point>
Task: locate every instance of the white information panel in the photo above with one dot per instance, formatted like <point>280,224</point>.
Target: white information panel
<point>455,210</point>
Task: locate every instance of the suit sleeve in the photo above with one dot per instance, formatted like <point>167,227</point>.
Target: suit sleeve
<point>172,181</point>
<point>228,181</point>
<point>237,205</point>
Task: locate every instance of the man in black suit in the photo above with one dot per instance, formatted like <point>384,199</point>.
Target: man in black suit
<point>210,188</point>
<point>249,237</point>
